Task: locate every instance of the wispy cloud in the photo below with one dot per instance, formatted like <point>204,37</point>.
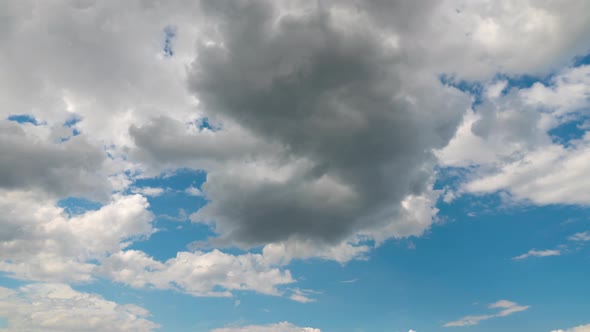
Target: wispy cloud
<point>351,281</point>
<point>538,253</point>
<point>581,237</point>
<point>506,308</point>
<point>302,295</point>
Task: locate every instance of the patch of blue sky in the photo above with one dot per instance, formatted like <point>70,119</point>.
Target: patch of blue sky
<point>73,120</point>
<point>204,123</point>
<point>23,118</point>
<point>169,35</point>
<point>569,131</point>
<point>8,282</point>
<point>172,210</point>
<point>581,60</point>
<point>76,205</point>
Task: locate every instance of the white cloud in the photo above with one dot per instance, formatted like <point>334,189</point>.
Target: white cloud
<point>508,146</point>
<point>302,295</point>
<point>39,241</point>
<point>283,252</point>
<point>538,253</point>
<point>581,237</point>
<point>193,191</point>
<point>197,273</point>
<point>278,327</point>
<point>149,191</point>
<point>581,328</point>
<point>506,308</point>
<point>58,307</point>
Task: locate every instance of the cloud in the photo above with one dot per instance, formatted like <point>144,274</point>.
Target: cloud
<point>506,308</point>
<point>197,273</point>
<point>350,281</point>
<point>508,145</point>
<point>581,237</point>
<point>58,307</point>
<point>149,191</point>
<point>302,295</point>
<point>538,253</point>
<point>192,191</point>
<point>581,328</point>
<point>40,241</point>
<point>31,159</point>
<point>349,134</point>
<point>278,327</point>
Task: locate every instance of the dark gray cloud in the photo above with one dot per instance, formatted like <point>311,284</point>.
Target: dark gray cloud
<point>327,85</point>
<point>69,168</point>
<point>340,123</point>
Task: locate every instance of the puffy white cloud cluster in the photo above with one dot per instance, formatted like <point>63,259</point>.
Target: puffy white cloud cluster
<point>509,142</point>
<point>49,307</point>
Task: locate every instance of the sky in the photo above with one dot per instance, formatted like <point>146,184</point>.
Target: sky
<point>295,166</point>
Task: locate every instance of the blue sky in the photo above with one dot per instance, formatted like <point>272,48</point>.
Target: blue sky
<point>257,166</point>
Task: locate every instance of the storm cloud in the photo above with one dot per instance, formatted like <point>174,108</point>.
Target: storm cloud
<point>352,122</point>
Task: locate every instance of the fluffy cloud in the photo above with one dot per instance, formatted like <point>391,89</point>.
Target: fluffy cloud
<point>40,241</point>
<point>505,308</point>
<point>197,273</point>
<point>508,144</point>
<point>581,328</point>
<point>58,307</point>
<point>278,327</point>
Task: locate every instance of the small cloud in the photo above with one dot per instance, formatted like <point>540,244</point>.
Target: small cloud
<point>193,191</point>
<point>508,308</point>
<point>411,245</point>
<point>580,237</point>
<point>302,295</point>
<point>537,253</point>
<point>148,191</point>
<point>181,217</point>
<point>351,281</point>
<point>237,303</point>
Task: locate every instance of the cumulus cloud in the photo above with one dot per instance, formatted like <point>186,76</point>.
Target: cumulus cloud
<point>40,241</point>
<point>58,307</point>
<point>278,327</point>
<point>197,273</point>
<point>349,134</point>
<point>505,308</point>
<point>507,142</point>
